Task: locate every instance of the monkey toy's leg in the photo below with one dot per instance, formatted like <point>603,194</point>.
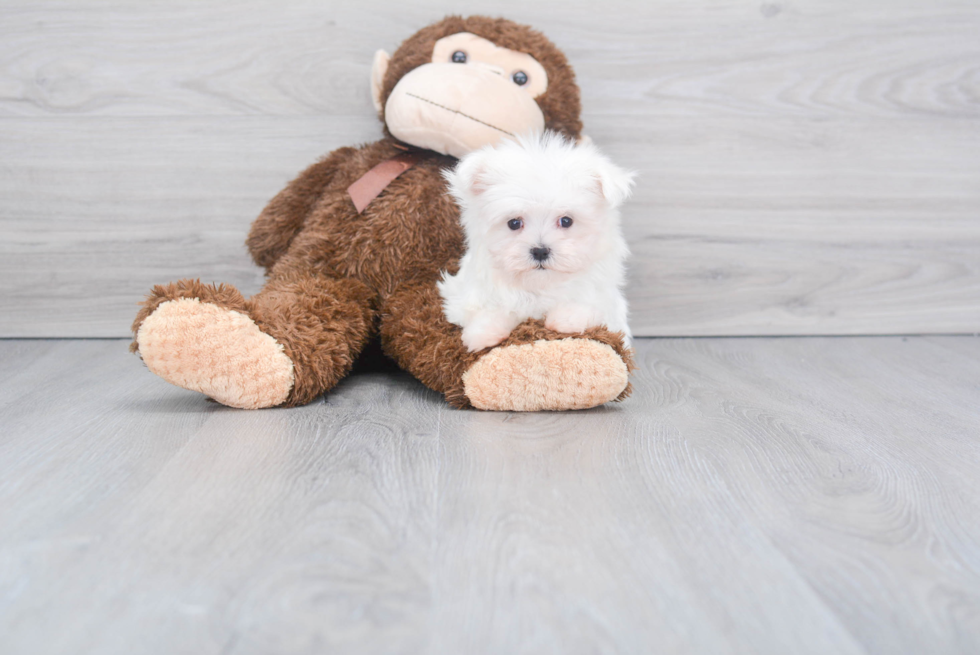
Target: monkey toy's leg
<point>533,369</point>
<point>284,346</point>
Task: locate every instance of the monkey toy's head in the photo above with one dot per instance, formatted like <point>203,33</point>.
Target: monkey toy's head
<point>464,83</point>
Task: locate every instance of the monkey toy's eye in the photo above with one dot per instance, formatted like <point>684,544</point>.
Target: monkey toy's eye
<point>515,223</point>
<point>565,221</point>
<point>520,78</point>
<point>459,57</point>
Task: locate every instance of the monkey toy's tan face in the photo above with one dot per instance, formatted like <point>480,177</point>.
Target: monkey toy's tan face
<point>473,93</point>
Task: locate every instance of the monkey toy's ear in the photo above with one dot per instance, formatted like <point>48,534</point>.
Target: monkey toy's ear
<point>378,70</point>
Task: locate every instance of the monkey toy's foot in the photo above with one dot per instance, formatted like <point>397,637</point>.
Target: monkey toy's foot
<point>215,350</point>
<point>547,375</point>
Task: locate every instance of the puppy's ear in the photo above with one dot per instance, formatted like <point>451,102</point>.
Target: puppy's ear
<point>613,183</point>
<point>468,179</point>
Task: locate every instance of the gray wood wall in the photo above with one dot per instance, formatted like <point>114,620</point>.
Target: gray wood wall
<point>805,167</point>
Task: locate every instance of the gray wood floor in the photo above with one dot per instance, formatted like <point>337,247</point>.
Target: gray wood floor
<point>805,166</point>
<point>771,495</point>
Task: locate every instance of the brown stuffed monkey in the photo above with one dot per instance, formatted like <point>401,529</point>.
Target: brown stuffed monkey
<point>353,248</point>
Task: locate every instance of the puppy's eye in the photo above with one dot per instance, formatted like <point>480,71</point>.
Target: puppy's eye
<point>565,221</point>
<point>520,78</point>
<point>515,223</point>
<point>459,57</point>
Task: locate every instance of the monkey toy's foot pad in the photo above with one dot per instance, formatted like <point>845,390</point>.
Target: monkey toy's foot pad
<point>217,351</point>
<point>546,375</point>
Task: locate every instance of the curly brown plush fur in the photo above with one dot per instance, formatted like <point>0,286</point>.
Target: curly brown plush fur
<point>337,279</point>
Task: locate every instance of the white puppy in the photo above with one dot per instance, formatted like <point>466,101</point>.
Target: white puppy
<point>543,240</point>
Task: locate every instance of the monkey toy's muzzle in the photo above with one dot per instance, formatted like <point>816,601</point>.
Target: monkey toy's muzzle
<point>455,109</point>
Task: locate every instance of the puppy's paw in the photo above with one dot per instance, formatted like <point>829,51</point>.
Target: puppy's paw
<point>487,330</point>
<point>570,318</point>
<point>479,338</point>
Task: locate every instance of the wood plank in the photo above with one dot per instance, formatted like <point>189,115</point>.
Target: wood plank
<point>146,483</point>
<point>758,226</point>
<point>764,495</point>
<point>824,59</point>
<point>803,168</point>
<point>92,232</point>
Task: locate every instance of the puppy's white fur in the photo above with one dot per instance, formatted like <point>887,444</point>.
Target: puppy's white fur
<point>538,180</point>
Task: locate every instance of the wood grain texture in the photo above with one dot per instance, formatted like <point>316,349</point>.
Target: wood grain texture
<point>768,495</point>
<point>804,167</point>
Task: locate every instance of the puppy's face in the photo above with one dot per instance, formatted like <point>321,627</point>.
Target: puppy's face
<point>533,232</point>
<point>541,208</point>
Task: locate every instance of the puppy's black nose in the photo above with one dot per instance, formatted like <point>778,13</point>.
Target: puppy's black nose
<point>540,253</point>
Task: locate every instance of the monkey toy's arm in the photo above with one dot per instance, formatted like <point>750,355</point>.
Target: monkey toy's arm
<point>283,217</point>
